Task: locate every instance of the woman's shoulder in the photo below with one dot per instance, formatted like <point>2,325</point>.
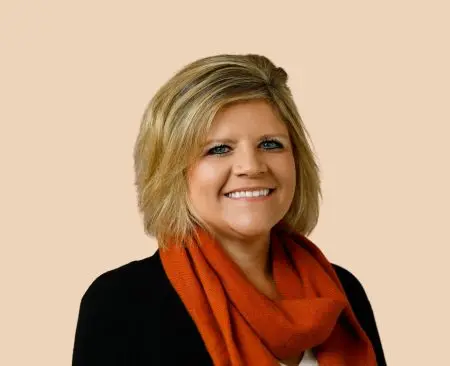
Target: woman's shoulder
<point>347,278</point>
<point>362,308</point>
<point>118,310</point>
<point>356,294</point>
<point>353,287</point>
<point>126,282</point>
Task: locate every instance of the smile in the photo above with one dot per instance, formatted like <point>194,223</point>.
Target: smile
<point>251,195</point>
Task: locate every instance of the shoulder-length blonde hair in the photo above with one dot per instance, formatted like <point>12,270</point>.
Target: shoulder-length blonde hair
<point>175,125</point>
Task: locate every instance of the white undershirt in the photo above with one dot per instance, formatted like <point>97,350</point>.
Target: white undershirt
<point>307,360</point>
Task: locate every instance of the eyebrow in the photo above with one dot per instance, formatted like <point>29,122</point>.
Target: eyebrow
<point>231,141</point>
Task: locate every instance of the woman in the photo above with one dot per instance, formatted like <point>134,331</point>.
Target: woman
<point>228,184</point>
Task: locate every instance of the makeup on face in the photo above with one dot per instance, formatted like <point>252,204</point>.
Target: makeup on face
<point>244,180</point>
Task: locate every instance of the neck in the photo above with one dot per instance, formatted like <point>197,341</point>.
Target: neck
<point>252,256</point>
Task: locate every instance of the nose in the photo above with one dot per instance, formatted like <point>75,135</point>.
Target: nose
<point>249,162</point>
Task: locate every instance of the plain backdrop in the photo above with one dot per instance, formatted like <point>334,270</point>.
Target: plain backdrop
<point>371,81</point>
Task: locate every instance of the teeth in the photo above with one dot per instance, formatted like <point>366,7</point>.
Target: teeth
<point>262,192</point>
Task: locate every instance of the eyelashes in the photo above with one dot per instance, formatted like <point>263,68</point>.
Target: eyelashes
<point>215,149</point>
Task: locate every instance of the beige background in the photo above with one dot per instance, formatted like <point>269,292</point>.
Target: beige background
<point>371,80</point>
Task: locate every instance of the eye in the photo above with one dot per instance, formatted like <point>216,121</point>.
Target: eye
<point>274,143</point>
<point>215,150</point>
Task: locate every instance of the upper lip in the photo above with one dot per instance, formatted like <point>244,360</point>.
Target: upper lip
<point>245,189</point>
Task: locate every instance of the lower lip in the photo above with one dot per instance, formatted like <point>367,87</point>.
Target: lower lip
<point>253,199</point>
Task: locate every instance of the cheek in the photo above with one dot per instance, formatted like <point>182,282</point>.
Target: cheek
<point>286,170</point>
<point>206,178</point>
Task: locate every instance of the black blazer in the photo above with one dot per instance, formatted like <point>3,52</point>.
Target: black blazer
<point>133,316</point>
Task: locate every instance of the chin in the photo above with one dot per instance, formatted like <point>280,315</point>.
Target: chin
<point>251,230</point>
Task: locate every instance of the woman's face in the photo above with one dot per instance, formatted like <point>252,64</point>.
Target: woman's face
<point>248,149</point>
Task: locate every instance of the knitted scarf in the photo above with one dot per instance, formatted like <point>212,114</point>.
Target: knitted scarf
<point>241,326</point>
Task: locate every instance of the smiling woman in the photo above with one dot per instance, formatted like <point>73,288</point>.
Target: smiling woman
<point>229,185</point>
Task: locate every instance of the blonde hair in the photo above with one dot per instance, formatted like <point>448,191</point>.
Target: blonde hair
<point>176,123</point>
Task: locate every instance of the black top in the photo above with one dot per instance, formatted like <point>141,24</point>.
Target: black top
<point>133,316</point>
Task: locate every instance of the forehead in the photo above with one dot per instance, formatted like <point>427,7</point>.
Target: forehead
<point>249,116</point>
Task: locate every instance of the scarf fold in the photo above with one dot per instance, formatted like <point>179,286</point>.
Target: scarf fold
<point>240,326</point>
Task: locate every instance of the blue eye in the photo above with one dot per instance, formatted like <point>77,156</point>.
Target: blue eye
<point>213,151</point>
<point>269,145</point>
<point>275,142</point>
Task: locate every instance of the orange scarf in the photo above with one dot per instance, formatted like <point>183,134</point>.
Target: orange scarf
<point>241,326</point>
